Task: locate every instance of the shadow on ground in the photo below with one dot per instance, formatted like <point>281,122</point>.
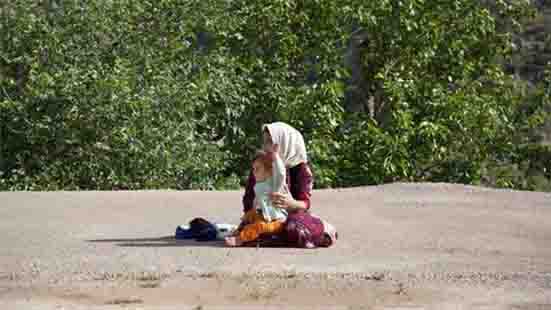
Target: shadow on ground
<point>171,241</point>
<point>165,241</point>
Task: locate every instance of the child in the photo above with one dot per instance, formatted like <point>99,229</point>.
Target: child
<point>269,172</point>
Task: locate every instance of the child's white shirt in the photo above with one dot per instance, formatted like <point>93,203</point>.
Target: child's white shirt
<point>277,183</point>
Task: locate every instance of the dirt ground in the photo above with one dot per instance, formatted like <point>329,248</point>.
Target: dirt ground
<point>402,246</point>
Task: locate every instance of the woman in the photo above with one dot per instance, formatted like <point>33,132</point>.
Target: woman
<point>301,228</point>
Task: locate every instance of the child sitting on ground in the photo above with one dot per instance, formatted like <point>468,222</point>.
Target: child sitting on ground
<point>269,172</point>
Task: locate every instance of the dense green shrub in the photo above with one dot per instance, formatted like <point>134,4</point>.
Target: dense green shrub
<point>171,94</point>
<point>100,95</point>
<point>531,160</point>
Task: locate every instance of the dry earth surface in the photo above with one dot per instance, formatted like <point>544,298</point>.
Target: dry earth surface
<point>402,246</point>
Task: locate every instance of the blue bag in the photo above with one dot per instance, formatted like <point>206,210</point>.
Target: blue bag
<point>199,229</point>
<point>183,232</point>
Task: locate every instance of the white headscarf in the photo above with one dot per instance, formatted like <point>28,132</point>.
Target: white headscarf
<point>291,143</point>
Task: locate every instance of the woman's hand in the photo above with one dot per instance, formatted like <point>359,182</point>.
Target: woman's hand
<point>283,201</point>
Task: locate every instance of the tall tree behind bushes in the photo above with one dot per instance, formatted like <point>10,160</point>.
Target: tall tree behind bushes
<point>441,106</point>
<point>531,165</point>
<point>157,94</point>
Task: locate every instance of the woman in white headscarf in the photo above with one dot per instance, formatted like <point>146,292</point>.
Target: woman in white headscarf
<point>292,151</point>
<point>302,229</point>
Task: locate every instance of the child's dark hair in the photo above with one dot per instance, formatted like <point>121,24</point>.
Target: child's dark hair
<point>265,158</point>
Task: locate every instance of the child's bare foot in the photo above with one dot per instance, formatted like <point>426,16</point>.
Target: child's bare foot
<point>233,241</point>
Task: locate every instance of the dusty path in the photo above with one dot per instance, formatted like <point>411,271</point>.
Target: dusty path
<point>403,246</point>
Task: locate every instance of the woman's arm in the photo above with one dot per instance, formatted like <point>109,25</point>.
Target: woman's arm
<point>302,183</point>
<point>286,201</point>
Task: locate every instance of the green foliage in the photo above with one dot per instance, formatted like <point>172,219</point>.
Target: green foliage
<point>94,100</point>
<point>171,94</point>
<point>447,107</point>
<point>530,166</point>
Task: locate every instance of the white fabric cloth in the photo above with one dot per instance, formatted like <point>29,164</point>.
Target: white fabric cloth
<point>224,230</point>
<point>264,189</point>
<point>292,149</point>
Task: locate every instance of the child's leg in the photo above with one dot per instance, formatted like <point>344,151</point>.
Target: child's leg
<point>248,232</point>
<point>247,224</point>
<point>233,241</point>
<point>253,231</point>
<point>251,216</point>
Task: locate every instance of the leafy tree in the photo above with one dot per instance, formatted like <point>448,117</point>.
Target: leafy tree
<point>443,106</point>
<point>156,94</point>
<point>100,95</point>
